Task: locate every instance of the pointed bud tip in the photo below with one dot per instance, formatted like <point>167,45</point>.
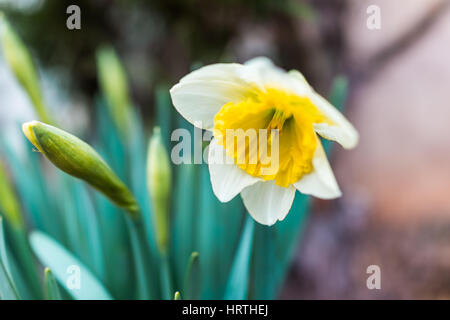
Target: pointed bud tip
<point>27,129</point>
<point>156,130</point>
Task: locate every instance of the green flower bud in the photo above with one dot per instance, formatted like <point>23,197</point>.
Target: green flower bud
<point>21,63</point>
<point>159,185</point>
<point>113,82</point>
<point>9,205</point>
<point>51,288</point>
<point>80,160</point>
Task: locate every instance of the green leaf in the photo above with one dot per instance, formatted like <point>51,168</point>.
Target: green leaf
<point>33,196</point>
<point>8,289</point>
<point>237,285</point>
<point>166,279</point>
<point>339,92</point>
<point>60,260</point>
<point>114,84</point>
<point>136,156</point>
<point>110,142</point>
<point>8,201</point>
<point>338,98</point>
<point>116,248</point>
<point>51,287</point>
<point>177,296</point>
<point>21,63</point>
<point>183,217</point>
<point>164,111</point>
<point>137,239</point>
<point>192,277</point>
<point>217,233</point>
<point>90,228</point>
<point>23,286</point>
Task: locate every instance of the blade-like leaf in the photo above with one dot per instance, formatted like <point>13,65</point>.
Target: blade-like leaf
<point>192,277</point>
<point>61,262</point>
<point>218,234</point>
<point>237,285</point>
<point>136,233</point>
<point>51,287</point>
<point>166,280</point>
<point>7,288</point>
<point>164,112</point>
<point>183,220</point>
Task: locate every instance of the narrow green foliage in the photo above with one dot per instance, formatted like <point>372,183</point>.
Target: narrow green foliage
<point>114,85</point>
<point>183,220</point>
<point>80,160</point>
<point>237,285</point>
<point>164,112</point>
<point>8,202</point>
<point>8,289</point>
<point>138,248</point>
<point>21,63</point>
<point>51,287</point>
<point>177,296</point>
<point>166,279</point>
<point>192,277</point>
<point>339,92</point>
<point>70,272</point>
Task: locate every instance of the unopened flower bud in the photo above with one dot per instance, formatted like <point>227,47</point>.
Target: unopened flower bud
<point>159,185</point>
<point>21,63</point>
<point>113,82</point>
<point>80,160</point>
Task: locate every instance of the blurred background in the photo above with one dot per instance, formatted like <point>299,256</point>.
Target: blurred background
<point>395,212</point>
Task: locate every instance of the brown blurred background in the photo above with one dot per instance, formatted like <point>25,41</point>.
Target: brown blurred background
<point>395,212</point>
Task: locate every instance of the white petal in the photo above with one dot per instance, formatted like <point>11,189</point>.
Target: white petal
<point>263,73</point>
<point>266,202</point>
<point>202,93</point>
<point>218,71</point>
<point>227,179</point>
<point>321,182</point>
<point>341,130</point>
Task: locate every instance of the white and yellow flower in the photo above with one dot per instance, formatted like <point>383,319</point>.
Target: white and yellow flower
<point>258,95</point>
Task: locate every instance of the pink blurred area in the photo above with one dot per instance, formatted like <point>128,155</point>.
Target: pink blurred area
<point>395,212</point>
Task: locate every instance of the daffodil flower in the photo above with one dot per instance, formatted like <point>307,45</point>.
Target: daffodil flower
<point>258,95</point>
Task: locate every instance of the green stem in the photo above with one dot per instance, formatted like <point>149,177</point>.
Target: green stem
<point>25,255</point>
<point>166,280</point>
<point>137,240</point>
